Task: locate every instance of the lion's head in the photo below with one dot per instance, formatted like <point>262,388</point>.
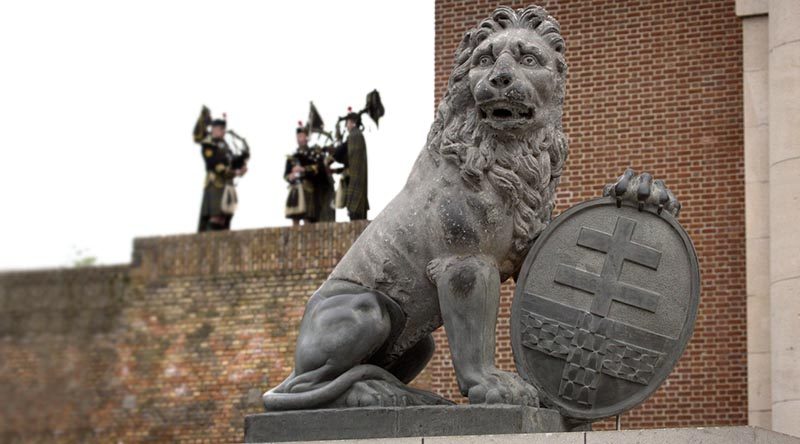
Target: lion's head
<point>500,119</point>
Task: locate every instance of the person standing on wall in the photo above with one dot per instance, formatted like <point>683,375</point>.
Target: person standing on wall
<point>323,186</point>
<point>305,168</point>
<point>222,166</point>
<point>353,155</point>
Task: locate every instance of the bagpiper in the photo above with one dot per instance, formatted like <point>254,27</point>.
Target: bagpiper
<point>324,193</point>
<point>305,171</point>
<point>222,166</point>
<point>352,153</point>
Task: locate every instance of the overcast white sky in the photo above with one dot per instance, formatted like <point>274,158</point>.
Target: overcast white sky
<point>98,100</point>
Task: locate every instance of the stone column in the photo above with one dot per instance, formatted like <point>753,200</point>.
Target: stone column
<point>784,212</point>
<point>755,43</point>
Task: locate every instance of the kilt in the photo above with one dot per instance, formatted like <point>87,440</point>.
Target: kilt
<point>212,201</point>
<point>300,201</point>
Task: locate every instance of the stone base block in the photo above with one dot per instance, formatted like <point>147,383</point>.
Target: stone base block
<point>705,435</point>
<point>385,422</point>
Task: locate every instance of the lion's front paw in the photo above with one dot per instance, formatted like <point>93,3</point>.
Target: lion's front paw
<point>641,189</point>
<point>498,387</point>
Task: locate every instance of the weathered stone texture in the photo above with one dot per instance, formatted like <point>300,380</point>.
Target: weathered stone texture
<point>383,422</point>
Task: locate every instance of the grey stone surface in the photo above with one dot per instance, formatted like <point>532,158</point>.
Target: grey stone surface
<point>755,88</point>
<point>415,440</point>
<point>604,307</point>
<point>784,193</point>
<point>526,438</point>
<point>710,435</point>
<point>704,435</point>
<point>749,8</point>
<point>376,422</point>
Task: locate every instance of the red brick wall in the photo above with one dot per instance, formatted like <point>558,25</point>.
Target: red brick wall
<point>655,85</point>
<point>56,354</point>
<point>179,346</point>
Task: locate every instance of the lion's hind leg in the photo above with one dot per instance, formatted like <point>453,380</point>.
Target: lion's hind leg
<point>338,333</point>
<point>393,391</point>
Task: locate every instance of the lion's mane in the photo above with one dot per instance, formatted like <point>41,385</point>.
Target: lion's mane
<point>525,171</point>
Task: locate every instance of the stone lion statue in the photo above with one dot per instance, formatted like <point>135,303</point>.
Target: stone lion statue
<point>480,192</point>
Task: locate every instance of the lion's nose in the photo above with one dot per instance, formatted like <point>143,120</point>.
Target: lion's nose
<point>501,80</point>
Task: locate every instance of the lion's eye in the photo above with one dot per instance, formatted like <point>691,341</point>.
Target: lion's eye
<point>529,60</point>
<point>485,61</point>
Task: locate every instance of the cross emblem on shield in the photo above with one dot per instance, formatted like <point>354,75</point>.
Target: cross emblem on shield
<point>588,346</point>
<point>606,286</point>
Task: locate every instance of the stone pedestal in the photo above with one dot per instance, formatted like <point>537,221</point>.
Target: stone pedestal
<point>710,435</point>
<point>386,422</point>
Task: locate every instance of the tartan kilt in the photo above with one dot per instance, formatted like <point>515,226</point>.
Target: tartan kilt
<point>212,201</point>
<point>300,201</point>
<point>356,192</point>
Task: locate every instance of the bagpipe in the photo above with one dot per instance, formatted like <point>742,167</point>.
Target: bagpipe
<point>373,108</point>
<point>237,143</point>
<point>240,150</point>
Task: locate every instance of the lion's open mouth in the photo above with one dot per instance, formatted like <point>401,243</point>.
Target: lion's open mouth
<point>504,112</point>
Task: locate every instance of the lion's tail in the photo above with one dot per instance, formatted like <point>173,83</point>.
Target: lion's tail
<point>331,391</point>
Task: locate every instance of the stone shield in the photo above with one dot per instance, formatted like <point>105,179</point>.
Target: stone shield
<point>604,307</point>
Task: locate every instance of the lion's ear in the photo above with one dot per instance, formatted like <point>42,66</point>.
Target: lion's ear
<point>465,42</point>
<point>464,51</point>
